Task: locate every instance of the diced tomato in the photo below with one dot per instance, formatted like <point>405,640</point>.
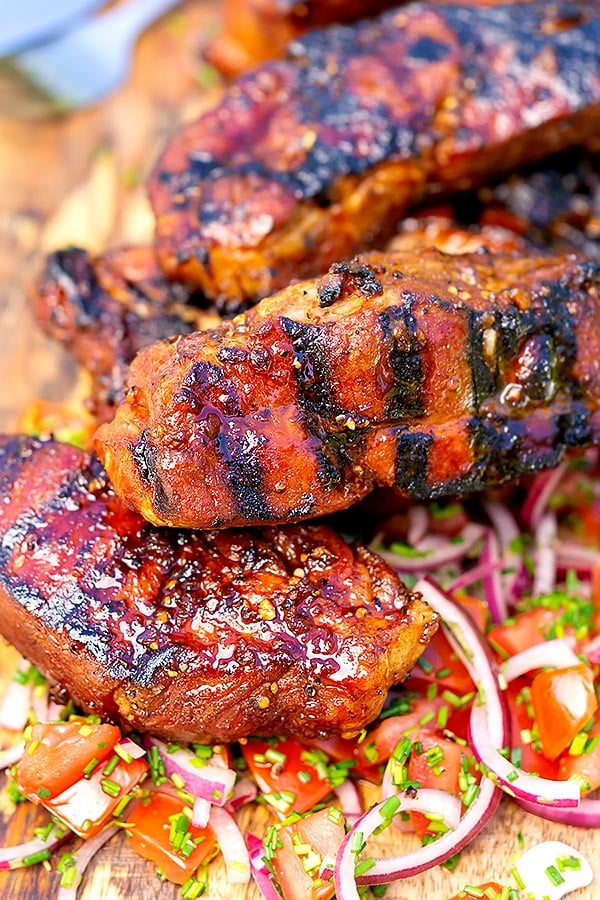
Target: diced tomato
<point>529,628</point>
<point>304,845</point>
<point>58,754</point>
<point>443,775</point>
<point>585,765</point>
<point>379,745</point>
<point>441,665</point>
<point>477,610</point>
<point>489,886</point>
<point>284,769</point>
<point>521,723</point>
<point>87,805</point>
<point>563,701</point>
<point>161,832</point>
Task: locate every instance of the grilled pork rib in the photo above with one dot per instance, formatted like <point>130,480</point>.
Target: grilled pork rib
<point>194,636</point>
<point>429,373</point>
<point>309,159</point>
<point>105,310</point>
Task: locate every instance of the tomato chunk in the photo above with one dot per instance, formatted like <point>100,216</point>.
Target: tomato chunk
<point>521,724</point>
<point>440,664</point>
<point>529,628</point>
<point>87,805</point>
<point>161,832</point>
<point>59,754</point>
<point>379,745</point>
<point>437,765</point>
<point>585,765</point>
<point>304,845</point>
<point>284,771</point>
<point>563,701</point>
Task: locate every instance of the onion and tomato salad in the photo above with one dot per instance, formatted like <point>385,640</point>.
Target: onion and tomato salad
<point>503,700</point>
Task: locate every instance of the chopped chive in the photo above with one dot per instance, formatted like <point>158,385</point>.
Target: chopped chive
<point>87,772</point>
<point>110,787</point>
<point>276,757</point>
<point>111,765</point>
<point>472,891</point>
<point>44,793</point>
<point>123,754</point>
<point>364,866</point>
<point>34,858</point>
<point>553,875</point>
<point>425,665</point>
<point>390,807</point>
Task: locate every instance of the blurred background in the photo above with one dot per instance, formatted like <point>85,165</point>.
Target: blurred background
<point>79,179</point>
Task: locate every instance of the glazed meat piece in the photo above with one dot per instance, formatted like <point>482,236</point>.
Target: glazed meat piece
<point>188,635</point>
<point>105,310</point>
<point>256,30</point>
<point>309,159</point>
<point>430,373</point>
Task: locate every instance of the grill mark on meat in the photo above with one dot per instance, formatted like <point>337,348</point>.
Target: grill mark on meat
<point>307,160</point>
<point>403,397</point>
<point>183,633</point>
<point>504,348</point>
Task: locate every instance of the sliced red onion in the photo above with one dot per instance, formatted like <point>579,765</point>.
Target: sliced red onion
<point>448,551</point>
<point>130,747</point>
<point>262,877</point>
<point>244,791</point>
<point>544,578</point>
<point>349,799</point>
<point>472,651</point>
<point>570,555</point>
<point>556,653</point>
<point>12,857</point>
<point>232,845</point>
<point>586,815</point>
<point>82,859</point>
<point>16,702</point>
<point>471,576</point>
<point>201,812</point>
<point>55,711</point>
<point>507,532</point>
<point>11,755</point>
<point>418,520</point>
<point>542,488</point>
<point>212,783</point>
<point>512,780</point>
<point>492,583</point>
<point>431,800</point>
<point>407,864</point>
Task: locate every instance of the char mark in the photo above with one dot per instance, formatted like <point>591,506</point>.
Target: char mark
<point>313,372</point>
<point>412,463</point>
<point>239,453</point>
<point>404,399</point>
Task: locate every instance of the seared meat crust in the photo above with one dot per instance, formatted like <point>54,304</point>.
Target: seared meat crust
<point>105,310</point>
<point>309,159</point>
<point>194,636</point>
<point>430,373</point>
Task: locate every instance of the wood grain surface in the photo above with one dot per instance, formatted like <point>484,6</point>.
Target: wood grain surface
<point>80,180</point>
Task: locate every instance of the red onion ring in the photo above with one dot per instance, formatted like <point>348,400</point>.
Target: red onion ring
<point>201,812</point>
<point>232,845</point>
<point>12,857</point>
<point>507,532</point>
<point>449,551</point>
<point>349,799</point>
<point>570,555</point>
<point>512,780</point>
<point>244,791</point>
<point>212,783</point>
<point>418,520</point>
<point>262,877</point>
<point>556,653</point>
<point>492,583</point>
<point>542,488</point>
<point>16,702</point>
<point>544,580</point>
<point>592,649</point>
<point>407,864</point>
<point>11,755</point>
<point>82,859</point>
<point>471,576</point>
<point>586,815</point>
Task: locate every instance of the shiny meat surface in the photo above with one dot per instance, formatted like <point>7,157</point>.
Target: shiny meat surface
<point>188,635</point>
<point>105,310</point>
<point>430,373</point>
<point>309,159</point>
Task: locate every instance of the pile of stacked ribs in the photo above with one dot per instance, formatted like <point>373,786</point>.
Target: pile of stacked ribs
<point>376,266</point>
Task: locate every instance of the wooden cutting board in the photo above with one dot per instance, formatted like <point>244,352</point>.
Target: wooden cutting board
<point>80,180</point>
